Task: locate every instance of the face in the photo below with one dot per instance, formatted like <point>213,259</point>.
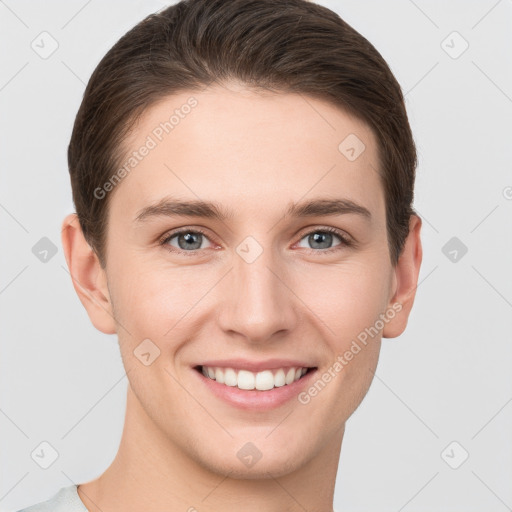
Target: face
<point>251,281</point>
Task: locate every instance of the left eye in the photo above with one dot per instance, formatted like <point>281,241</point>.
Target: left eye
<point>322,239</point>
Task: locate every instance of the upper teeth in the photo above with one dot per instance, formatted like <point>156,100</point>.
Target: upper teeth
<point>264,380</point>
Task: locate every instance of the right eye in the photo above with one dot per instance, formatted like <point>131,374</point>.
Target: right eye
<point>186,240</point>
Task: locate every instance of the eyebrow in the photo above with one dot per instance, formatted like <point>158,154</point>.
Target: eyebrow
<point>169,207</point>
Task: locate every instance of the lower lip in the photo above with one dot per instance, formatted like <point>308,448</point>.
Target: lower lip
<point>254,399</point>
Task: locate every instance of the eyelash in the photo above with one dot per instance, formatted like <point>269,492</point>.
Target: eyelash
<point>345,240</point>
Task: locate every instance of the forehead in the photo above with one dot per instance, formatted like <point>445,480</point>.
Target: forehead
<point>239,146</point>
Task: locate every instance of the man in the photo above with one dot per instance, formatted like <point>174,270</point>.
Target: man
<point>243,176</point>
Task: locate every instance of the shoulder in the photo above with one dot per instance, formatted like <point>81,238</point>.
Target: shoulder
<point>65,500</point>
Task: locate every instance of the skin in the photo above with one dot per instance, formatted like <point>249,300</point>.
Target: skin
<point>254,153</point>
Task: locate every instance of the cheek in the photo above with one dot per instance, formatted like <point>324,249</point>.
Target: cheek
<point>151,299</point>
<point>348,298</point>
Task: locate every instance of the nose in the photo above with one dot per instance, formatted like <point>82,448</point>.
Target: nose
<point>258,303</point>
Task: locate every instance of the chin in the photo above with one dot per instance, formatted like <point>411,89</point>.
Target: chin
<point>251,461</point>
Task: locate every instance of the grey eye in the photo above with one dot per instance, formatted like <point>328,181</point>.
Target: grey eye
<point>321,239</point>
<point>187,240</point>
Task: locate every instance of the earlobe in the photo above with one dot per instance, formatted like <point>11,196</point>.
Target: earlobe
<point>89,279</point>
<point>405,280</point>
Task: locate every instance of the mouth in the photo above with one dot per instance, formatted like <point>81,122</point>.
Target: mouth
<point>254,391</point>
<point>263,380</point>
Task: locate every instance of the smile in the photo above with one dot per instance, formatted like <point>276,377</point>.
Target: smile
<point>255,391</point>
<point>262,381</point>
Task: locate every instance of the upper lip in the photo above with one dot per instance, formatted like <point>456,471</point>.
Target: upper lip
<point>256,366</point>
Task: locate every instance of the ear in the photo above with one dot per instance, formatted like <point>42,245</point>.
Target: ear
<point>89,279</point>
<point>405,280</point>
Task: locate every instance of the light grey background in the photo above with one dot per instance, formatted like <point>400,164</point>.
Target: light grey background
<point>447,378</point>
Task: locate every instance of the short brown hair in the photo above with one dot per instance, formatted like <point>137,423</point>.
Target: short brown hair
<point>293,46</point>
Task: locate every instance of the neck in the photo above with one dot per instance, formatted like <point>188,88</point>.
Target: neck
<point>151,472</point>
